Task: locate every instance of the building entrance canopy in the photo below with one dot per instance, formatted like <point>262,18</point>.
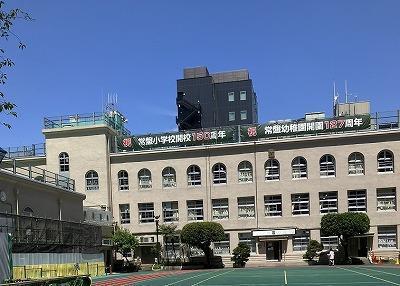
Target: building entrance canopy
<point>274,232</point>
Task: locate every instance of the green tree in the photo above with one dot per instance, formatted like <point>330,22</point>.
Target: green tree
<point>201,235</point>
<point>345,226</point>
<point>170,233</point>
<point>312,249</point>
<point>241,255</point>
<point>7,20</point>
<point>124,242</point>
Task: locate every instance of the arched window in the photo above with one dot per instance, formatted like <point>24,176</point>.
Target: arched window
<point>28,211</point>
<point>194,175</point>
<point>64,162</point>
<point>144,177</point>
<point>123,180</point>
<point>299,168</point>
<point>356,164</point>
<point>219,174</point>
<point>385,162</point>
<point>245,172</point>
<point>327,166</point>
<point>92,181</point>
<point>271,170</point>
<point>169,177</point>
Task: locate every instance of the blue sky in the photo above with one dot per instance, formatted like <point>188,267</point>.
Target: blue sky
<point>78,51</point>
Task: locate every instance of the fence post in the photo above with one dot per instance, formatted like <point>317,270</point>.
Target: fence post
<point>97,269</point>
<point>87,268</point>
<point>14,166</point>
<point>30,172</point>
<point>25,271</point>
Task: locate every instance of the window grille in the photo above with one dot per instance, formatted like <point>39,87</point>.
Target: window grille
<point>272,170</point>
<point>144,177</point>
<point>146,212</point>
<point>195,210</point>
<point>246,207</point>
<point>220,209</point>
<point>328,202</point>
<point>327,166</point>
<point>301,204</point>
<point>356,164</point>
<point>219,173</point>
<point>273,205</point>
<point>385,162</point>
<point>123,181</point>
<point>92,181</point>
<point>245,172</point>
<point>169,177</point>
<point>194,175</point>
<point>299,168</point>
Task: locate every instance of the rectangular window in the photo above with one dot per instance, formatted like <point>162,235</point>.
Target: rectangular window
<point>220,209</point>
<point>273,205</point>
<point>231,116</point>
<point>231,96</point>
<point>357,201</point>
<point>243,95</point>
<point>172,247</point>
<point>301,240</point>
<point>195,210</point>
<point>124,214</point>
<point>247,238</point>
<point>301,204</point>
<point>386,199</point>
<point>328,202</point>
<point>243,115</point>
<point>246,207</point>
<point>387,236</point>
<point>223,246</point>
<point>330,242</point>
<point>146,212</point>
<point>170,211</point>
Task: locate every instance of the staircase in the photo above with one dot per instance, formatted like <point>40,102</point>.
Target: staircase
<point>258,260</point>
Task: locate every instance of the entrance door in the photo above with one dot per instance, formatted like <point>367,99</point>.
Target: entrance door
<point>274,250</point>
<point>363,247</point>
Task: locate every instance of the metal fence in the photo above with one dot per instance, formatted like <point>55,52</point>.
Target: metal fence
<point>38,174</point>
<point>86,119</point>
<point>26,151</point>
<point>30,234</point>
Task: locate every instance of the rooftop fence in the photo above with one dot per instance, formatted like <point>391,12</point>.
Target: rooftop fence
<point>87,119</point>
<point>34,150</point>
<point>38,174</point>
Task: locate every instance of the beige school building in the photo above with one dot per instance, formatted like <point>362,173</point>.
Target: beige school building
<point>269,193</point>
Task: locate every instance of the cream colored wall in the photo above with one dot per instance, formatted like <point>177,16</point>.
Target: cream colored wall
<point>45,200</point>
<point>285,150</point>
<point>87,150</point>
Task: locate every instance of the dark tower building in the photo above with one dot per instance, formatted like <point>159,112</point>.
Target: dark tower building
<point>220,99</point>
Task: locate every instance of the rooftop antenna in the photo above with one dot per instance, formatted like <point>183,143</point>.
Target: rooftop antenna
<point>345,91</point>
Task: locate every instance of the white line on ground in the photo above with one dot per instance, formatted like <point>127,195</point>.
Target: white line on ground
<point>380,271</point>
<point>212,277</point>
<point>387,281</point>
<point>285,277</point>
<point>191,277</point>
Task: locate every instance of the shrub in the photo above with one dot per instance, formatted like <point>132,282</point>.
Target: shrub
<point>312,249</point>
<point>241,255</point>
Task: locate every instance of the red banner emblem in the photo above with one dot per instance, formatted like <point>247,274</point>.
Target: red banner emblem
<point>127,142</point>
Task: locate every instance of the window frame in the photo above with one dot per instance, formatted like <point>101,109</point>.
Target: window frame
<point>63,161</point>
<point>231,95</point>
<point>92,181</point>
<point>124,214</point>
<point>221,246</point>
<point>356,166</point>
<point>248,203</point>
<point>331,202</point>
<point>275,176</point>
<point>299,168</point>
<point>141,184</point>
<point>245,172</point>
<point>193,173</point>
<point>327,166</point>
<point>243,95</point>
<point>247,238</point>
<point>172,209</point>
<point>195,210</point>
<point>300,240</point>
<point>357,198</point>
<point>243,112</point>
<point>383,198</point>
<point>385,162</point>
<point>146,213</point>
<point>300,204</point>
<point>220,209</point>
<point>273,205</point>
<point>123,180</point>
<point>230,117</point>
<point>220,176</point>
<point>168,177</point>
<point>384,233</point>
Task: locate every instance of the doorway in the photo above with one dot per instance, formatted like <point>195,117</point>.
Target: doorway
<point>273,250</point>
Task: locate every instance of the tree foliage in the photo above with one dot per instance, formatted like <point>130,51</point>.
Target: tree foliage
<point>201,235</point>
<point>124,242</point>
<point>312,249</point>
<point>345,226</point>
<point>7,20</point>
<point>241,255</point>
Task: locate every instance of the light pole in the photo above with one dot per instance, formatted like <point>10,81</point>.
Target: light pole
<point>158,248</point>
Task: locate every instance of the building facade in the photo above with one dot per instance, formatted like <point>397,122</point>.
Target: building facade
<point>269,193</point>
<point>221,99</point>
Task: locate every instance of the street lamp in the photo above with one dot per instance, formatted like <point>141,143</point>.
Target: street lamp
<point>158,248</point>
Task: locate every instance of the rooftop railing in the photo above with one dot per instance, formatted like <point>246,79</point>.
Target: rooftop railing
<point>26,151</point>
<point>88,119</point>
<point>38,174</point>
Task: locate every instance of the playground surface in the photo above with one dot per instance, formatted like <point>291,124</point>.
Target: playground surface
<point>299,276</point>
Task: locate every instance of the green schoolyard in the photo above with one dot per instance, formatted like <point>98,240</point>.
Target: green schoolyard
<point>313,275</point>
